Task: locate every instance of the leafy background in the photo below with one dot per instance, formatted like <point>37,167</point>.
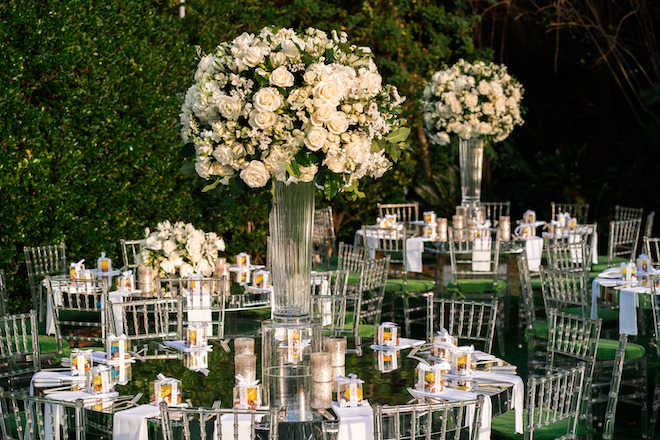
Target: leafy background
<point>90,93</point>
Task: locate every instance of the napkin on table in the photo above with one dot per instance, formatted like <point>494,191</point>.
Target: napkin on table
<point>131,424</point>
<point>518,397</point>
<point>414,249</point>
<point>355,422</point>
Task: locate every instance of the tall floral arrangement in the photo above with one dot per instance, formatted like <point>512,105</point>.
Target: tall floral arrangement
<point>291,106</point>
<point>479,100</point>
<point>180,250</point>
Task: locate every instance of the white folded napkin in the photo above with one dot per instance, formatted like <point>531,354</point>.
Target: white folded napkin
<point>628,302</point>
<point>403,344</point>
<point>414,249</point>
<point>131,424</point>
<point>198,305</point>
<point>534,250</point>
<point>481,254</point>
<point>518,396</point>
<point>70,396</point>
<point>356,422</point>
<point>456,395</point>
<point>595,290</point>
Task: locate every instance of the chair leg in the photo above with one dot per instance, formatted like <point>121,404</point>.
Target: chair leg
<point>406,314</point>
<point>500,327</point>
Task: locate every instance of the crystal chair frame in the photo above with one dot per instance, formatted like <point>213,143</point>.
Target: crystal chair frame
<point>331,303</point>
<point>553,398</point>
<point>435,420</point>
<point>648,227</point>
<point>563,289</point>
<point>323,236</point>
<point>655,302</point>
<point>494,210</point>
<point>19,347</point>
<point>469,321</point>
<point>536,353</point>
<point>568,256</point>
<point>622,213</point>
<point>217,306</point>
<point>69,296</point>
<point>652,249</point>
<point>351,257</point>
<point>581,233</point>
<point>23,417</point>
<point>461,258</point>
<point>4,304</point>
<point>578,210</point>
<point>146,320</point>
<point>371,288</point>
<point>405,212</point>
<point>389,242</point>
<point>130,252</point>
<point>622,241</point>
<point>184,418</point>
<point>41,261</point>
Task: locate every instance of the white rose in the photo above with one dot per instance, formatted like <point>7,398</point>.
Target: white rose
<point>262,119</point>
<point>358,150</point>
<point>253,56</point>
<point>243,40</point>
<point>267,99</point>
<point>185,270</point>
<point>229,107</point>
<point>315,138</point>
<point>153,243</point>
<point>281,77</point>
<point>168,247</point>
<point>336,163</point>
<point>444,138</point>
<point>324,113</point>
<point>487,108</point>
<point>255,175</point>
<point>290,50</point>
<point>471,100</point>
<point>205,268</point>
<point>327,90</point>
<point>338,124</point>
<point>277,59</point>
<point>372,82</point>
<point>167,266</point>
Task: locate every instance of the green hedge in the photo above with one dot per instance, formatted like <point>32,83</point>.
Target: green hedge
<point>90,95</point>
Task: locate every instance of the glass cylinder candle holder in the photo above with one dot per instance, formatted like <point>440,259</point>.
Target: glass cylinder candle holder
<point>321,368</point>
<point>321,395</point>
<point>442,229</point>
<point>505,228</point>
<point>336,347</point>
<point>246,366</point>
<point>146,277</point>
<point>337,372</point>
<point>243,346</point>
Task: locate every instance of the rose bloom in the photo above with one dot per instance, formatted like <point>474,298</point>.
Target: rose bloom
<point>267,99</point>
<point>253,56</point>
<point>324,113</point>
<point>281,77</point>
<point>335,163</point>
<point>262,120</point>
<point>315,138</point>
<point>255,175</point>
<point>229,107</point>
<point>328,91</point>
<point>338,124</point>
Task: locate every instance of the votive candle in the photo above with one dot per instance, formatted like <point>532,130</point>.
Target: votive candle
<point>321,368</point>
<point>442,229</point>
<point>505,228</point>
<point>246,366</point>
<point>336,347</point>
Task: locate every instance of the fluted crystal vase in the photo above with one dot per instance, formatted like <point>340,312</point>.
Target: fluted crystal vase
<point>291,223</point>
<point>471,160</point>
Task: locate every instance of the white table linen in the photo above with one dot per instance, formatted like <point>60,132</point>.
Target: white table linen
<point>244,426</point>
<point>69,396</point>
<point>355,422</point>
<point>414,250</point>
<point>534,250</point>
<point>131,424</point>
<point>518,393</point>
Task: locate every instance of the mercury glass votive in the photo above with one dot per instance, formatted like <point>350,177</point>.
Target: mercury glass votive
<point>442,229</point>
<point>336,347</point>
<point>243,346</point>
<point>321,368</point>
<point>337,372</point>
<point>457,221</point>
<point>321,395</point>
<point>505,228</point>
<point>246,366</point>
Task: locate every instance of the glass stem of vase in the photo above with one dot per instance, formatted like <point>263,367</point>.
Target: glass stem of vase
<point>471,158</point>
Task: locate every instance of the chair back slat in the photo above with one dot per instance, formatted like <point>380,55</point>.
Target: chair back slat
<point>131,253</point>
<point>623,213</point>
<point>19,346</point>
<point>405,212</point>
<point>623,239</point>
<point>494,210</point>
<point>41,261</point>
<point>580,211</point>
<point>474,259</point>
<point>469,321</point>
<point>323,235</point>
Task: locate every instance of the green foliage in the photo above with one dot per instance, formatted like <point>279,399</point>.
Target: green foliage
<point>91,92</point>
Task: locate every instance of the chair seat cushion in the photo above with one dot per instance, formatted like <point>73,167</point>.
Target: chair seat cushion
<point>397,285</point>
<point>479,286</point>
<point>607,350</point>
<point>539,330</point>
<point>607,315</point>
<point>537,283</point>
<point>365,330</point>
<point>502,427</point>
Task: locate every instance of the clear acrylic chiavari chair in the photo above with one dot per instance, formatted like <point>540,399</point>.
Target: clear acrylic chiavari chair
<point>40,262</point>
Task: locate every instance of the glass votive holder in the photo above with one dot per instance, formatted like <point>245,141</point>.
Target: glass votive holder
<point>387,360</point>
<point>387,335</point>
<point>243,346</point>
<point>442,229</point>
<point>165,389</point>
<point>81,362</point>
<point>431,378</point>
<point>336,347</point>
<point>321,395</point>
<point>247,396</point>
<point>350,391</point>
<point>197,360</point>
<point>246,366</point>
<point>121,372</point>
<point>461,383</point>
<point>321,368</point>
<point>197,335</point>
<point>505,228</point>
<point>429,217</point>
<point>99,381</point>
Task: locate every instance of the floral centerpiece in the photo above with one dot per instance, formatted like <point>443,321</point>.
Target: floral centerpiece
<point>479,100</point>
<point>180,250</point>
<point>294,107</point>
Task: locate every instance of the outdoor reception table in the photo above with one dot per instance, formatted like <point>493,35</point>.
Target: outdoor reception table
<point>384,388</point>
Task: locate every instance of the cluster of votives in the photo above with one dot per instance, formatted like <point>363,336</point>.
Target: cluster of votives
<point>388,221</point>
<point>457,360</point>
<point>434,228</point>
<point>562,222</point>
<point>119,359</point>
<point>387,335</point>
<point>126,282</point>
<point>197,358</point>
<point>165,389</point>
<point>328,369</point>
<point>247,390</point>
<point>527,226</point>
<point>77,271</point>
<point>640,272</point>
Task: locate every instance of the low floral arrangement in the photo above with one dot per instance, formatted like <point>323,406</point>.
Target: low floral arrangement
<point>291,106</point>
<point>180,250</point>
<point>479,100</point>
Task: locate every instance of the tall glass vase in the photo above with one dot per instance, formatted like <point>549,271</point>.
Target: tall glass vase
<point>471,159</point>
<point>291,223</point>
